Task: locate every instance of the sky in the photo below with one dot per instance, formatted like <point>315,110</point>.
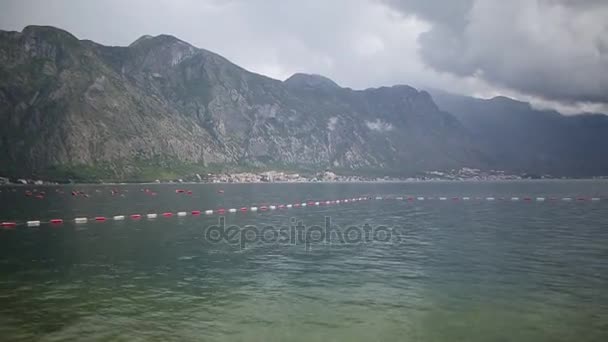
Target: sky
<point>552,53</point>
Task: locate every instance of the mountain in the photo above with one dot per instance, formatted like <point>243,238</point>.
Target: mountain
<point>161,106</point>
<point>521,138</point>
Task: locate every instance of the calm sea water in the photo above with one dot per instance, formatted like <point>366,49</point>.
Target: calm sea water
<point>452,271</point>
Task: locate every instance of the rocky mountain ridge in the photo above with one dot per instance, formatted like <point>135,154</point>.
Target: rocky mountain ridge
<point>522,139</point>
<point>77,106</point>
<point>161,107</point>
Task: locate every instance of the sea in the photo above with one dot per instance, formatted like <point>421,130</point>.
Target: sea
<point>420,261</point>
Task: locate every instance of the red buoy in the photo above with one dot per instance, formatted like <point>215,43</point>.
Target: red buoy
<point>56,221</point>
<point>100,218</point>
<point>244,209</point>
<point>221,211</point>
<point>196,212</point>
<point>263,208</point>
<point>136,216</point>
<point>167,214</point>
<point>8,224</point>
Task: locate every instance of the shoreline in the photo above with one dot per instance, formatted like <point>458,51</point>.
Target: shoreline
<point>310,182</point>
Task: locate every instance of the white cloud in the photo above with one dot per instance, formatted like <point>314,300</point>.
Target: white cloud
<point>379,126</point>
<point>331,124</point>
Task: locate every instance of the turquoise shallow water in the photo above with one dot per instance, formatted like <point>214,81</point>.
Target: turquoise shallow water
<point>450,271</point>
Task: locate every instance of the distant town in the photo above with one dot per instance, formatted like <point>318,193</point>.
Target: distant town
<point>329,176</point>
<point>463,174</point>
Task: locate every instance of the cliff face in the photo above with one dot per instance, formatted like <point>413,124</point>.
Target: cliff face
<point>521,138</point>
<point>160,101</point>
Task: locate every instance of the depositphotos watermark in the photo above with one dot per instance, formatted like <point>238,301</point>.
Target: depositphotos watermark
<point>297,233</point>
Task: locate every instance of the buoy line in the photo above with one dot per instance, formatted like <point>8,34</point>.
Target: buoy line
<point>219,211</point>
<point>304,204</point>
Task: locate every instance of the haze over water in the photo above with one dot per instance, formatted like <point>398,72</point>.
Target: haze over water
<point>458,271</point>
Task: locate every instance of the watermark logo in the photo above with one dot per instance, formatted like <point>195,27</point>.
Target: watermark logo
<point>297,233</point>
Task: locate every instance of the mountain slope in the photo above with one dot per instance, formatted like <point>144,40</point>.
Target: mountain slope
<point>520,138</point>
<point>70,104</point>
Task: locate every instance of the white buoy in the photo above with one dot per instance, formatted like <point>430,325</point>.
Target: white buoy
<point>152,216</point>
<point>540,199</point>
<point>490,198</point>
<point>232,210</point>
<point>33,223</point>
<point>81,220</point>
<point>443,198</point>
<point>208,212</point>
<point>119,217</point>
<point>182,213</point>
<point>566,199</point>
<point>420,198</point>
<point>254,209</point>
<point>595,198</point>
<point>466,198</point>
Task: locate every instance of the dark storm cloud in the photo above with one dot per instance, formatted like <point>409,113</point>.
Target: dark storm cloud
<point>555,49</point>
<point>451,13</point>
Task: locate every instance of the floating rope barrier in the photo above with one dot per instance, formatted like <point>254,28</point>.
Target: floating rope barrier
<point>265,208</point>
